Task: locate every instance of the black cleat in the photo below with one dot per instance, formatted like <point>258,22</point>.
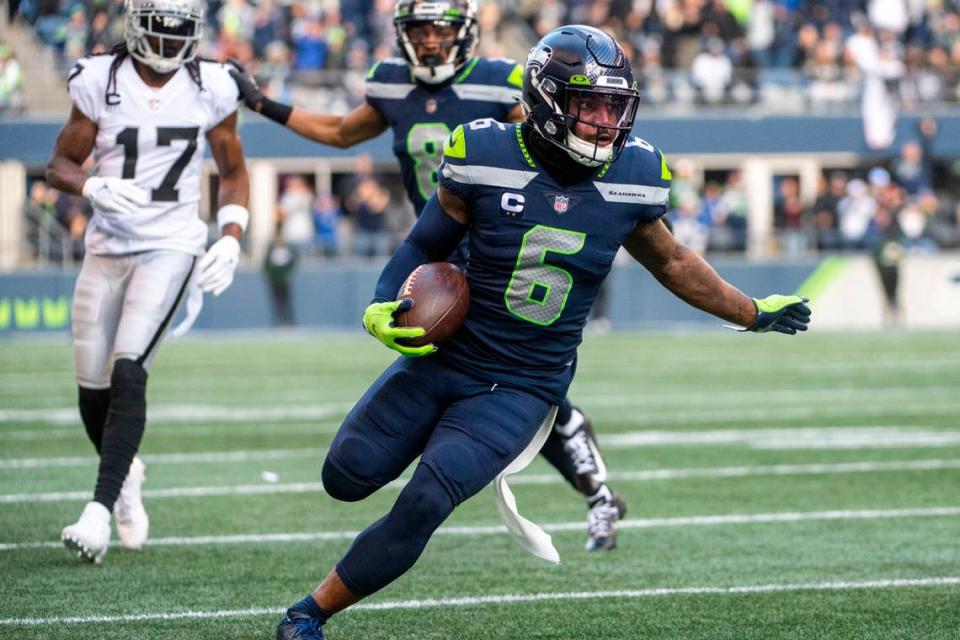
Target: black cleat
<point>602,523</point>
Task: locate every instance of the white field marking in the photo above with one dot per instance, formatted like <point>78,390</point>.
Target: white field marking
<point>516,598</point>
<point>647,475</point>
<point>861,437</point>
<point>878,407</point>
<point>189,413</point>
<point>222,413</point>
<point>557,527</point>
<point>312,427</point>
<point>773,397</point>
<point>169,458</point>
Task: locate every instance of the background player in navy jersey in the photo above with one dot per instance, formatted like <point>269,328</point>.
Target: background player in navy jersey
<point>548,204</point>
<point>422,97</point>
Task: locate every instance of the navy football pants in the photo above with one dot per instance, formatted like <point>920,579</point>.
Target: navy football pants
<point>465,430</point>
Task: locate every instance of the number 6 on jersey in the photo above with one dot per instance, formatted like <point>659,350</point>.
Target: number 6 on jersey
<point>537,291</point>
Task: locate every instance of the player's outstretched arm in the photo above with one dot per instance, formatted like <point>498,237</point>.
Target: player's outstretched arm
<point>436,234</point>
<point>693,280</point>
<point>342,132</point>
<point>218,265</point>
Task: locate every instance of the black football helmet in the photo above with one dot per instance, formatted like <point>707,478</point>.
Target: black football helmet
<point>459,14</point>
<point>573,73</point>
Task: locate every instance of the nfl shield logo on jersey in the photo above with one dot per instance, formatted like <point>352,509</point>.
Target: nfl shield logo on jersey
<point>561,203</point>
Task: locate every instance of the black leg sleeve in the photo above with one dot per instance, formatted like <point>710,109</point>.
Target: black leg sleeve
<point>123,430</point>
<point>94,404</point>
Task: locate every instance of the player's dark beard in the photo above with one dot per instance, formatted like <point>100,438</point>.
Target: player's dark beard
<point>561,167</point>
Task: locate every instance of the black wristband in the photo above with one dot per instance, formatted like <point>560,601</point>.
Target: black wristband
<point>276,111</point>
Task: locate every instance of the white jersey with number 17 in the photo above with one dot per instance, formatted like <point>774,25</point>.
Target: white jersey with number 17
<point>156,137</point>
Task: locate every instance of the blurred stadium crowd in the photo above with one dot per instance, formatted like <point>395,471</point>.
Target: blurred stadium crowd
<point>783,55</point>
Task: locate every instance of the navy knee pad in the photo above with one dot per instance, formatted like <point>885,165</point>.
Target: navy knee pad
<point>339,487</point>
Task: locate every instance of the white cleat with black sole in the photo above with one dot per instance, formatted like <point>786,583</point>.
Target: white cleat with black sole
<point>89,536</point>
<point>131,518</point>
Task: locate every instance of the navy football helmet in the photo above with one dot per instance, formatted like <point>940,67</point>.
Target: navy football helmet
<point>411,15</point>
<point>578,82</point>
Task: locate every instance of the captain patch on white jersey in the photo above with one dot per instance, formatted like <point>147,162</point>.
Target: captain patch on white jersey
<point>157,137</point>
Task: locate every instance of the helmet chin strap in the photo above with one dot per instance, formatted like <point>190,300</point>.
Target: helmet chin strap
<point>587,153</point>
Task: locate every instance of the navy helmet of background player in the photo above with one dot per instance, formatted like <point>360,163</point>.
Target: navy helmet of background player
<point>421,98</point>
<point>146,110</point>
<point>455,22</point>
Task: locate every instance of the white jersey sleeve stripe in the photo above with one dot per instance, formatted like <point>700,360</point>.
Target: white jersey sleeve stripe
<point>489,176</point>
<point>388,91</point>
<point>486,93</point>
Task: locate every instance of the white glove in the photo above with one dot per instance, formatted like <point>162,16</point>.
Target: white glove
<point>218,264</point>
<point>115,195</point>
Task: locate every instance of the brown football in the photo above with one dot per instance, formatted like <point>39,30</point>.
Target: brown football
<point>440,297</point>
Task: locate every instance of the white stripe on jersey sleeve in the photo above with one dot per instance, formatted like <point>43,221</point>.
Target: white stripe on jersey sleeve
<point>490,176</point>
<point>388,91</point>
<point>487,93</point>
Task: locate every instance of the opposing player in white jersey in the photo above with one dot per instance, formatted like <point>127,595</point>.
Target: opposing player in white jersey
<point>146,110</point>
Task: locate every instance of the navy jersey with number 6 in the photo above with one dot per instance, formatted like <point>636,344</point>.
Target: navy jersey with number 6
<point>539,251</point>
<point>422,116</point>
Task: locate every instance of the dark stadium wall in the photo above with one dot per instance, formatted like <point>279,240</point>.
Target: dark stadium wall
<point>31,142</point>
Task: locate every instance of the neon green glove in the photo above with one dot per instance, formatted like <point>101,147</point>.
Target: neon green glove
<point>786,314</point>
<point>378,321</point>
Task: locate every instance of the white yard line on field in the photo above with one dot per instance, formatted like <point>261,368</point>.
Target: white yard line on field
<point>519,598</point>
<point>198,415</point>
<point>854,437</point>
<point>859,437</point>
<point>256,455</point>
<point>188,413</point>
<point>639,476</point>
<point>654,398</point>
<point>556,527</point>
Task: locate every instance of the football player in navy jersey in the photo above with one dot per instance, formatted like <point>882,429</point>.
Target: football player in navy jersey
<point>422,97</point>
<point>547,204</point>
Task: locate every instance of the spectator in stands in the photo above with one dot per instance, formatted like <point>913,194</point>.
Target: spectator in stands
<point>368,208</point>
<point>11,81</point>
<point>910,171</point>
<point>732,215</point>
<point>688,225</point>
<point>100,37</point>
<point>75,35</point>
<point>296,214</point>
<point>825,211</point>
<point>269,26</point>
<point>887,249</point>
<point>856,211</point>
<point>278,266</point>
<point>327,216</point>
<point>237,20</point>
<point>788,218</point>
<point>712,72</point>
<point>311,47</point>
